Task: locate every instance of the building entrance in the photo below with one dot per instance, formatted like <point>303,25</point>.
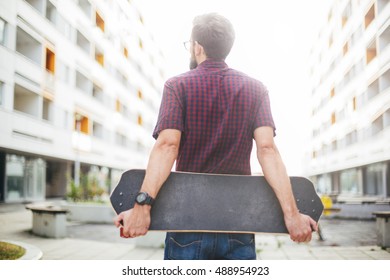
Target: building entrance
<point>24,179</point>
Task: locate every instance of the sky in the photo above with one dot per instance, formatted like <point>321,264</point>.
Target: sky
<point>273,41</point>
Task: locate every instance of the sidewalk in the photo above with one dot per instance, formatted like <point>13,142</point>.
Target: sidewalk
<point>346,240</point>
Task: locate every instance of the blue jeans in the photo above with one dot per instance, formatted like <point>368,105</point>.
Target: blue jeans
<point>209,246</point>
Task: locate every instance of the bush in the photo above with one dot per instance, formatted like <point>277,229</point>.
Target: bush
<point>88,190</point>
<point>10,251</point>
<point>75,192</point>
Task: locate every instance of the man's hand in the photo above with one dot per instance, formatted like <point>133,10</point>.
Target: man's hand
<point>300,227</point>
<point>134,222</point>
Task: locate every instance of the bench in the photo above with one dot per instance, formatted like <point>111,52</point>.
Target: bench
<point>48,220</point>
<point>383,228</point>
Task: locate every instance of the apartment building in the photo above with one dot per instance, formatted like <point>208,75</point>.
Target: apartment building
<point>80,86</point>
<point>349,154</point>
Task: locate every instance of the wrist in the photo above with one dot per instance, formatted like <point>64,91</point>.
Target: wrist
<point>144,207</point>
<point>290,213</point>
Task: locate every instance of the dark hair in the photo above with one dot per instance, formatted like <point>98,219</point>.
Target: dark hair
<point>214,33</point>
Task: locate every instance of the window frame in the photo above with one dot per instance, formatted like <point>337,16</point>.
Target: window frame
<point>3,31</point>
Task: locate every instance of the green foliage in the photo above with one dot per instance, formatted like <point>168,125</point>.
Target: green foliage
<point>88,190</point>
<point>75,192</point>
<point>10,251</point>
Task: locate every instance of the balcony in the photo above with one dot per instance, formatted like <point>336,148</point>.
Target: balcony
<point>38,5</point>
<point>83,43</point>
<point>26,101</point>
<point>84,84</point>
<point>28,46</point>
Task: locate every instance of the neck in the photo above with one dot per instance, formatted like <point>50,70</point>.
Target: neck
<point>201,58</point>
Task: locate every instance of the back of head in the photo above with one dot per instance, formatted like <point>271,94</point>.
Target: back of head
<point>215,34</point>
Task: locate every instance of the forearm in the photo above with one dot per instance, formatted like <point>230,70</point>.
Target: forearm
<point>161,160</point>
<point>276,175</point>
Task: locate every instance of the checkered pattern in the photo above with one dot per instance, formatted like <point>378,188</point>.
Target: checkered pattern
<point>217,109</point>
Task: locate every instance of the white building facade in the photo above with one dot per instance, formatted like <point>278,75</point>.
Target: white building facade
<point>350,122</point>
<point>80,87</point>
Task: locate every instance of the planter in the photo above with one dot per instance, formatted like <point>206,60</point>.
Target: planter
<point>104,214</point>
<point>32,252</point>
<point>90,213</point>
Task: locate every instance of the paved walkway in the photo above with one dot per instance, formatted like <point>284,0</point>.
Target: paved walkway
<point>346,240</point>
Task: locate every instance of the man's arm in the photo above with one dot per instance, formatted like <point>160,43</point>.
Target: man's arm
<point>136,221</point>
<point>299,226</point>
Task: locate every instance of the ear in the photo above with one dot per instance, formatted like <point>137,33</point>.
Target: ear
<point>198,49</point>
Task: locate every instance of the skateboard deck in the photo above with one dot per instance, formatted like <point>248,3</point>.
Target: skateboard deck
<point>195,202</point>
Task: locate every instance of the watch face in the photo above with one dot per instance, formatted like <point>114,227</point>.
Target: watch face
<point>141,197</point>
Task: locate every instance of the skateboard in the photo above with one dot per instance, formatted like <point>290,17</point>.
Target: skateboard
<point>199,202</point>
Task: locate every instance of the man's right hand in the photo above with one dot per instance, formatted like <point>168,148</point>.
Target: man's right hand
<point>300,227</point>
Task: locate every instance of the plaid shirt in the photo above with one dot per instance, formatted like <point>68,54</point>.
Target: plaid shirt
<point>217,109</point>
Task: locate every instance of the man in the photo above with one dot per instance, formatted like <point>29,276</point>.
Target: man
<point>208,119</point>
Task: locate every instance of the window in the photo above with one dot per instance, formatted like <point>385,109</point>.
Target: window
<point>50,61</point>
<point>345,48</point>
<point>140,96</point>
<point>26,101</point>
<point>83,42</point>
<point>1,93</point>
<point>118,106</point>
<point>99,56</point>
<point>140,120</point>
<point>85,6</point>
<point>374,183</point>
<point>346,14</point>
<point>384,81</point>
<point>3,29</point>
<point>63,72</point>
<point>83,83</point>
<point>349,182</point>
<point>382,5</point>
<point>51,12</point>
<point>352,138</point>
<point>99,22</point>
<point>370,16</point>
<point>120,139</point>
<point>372,90</point>
<point>384,39</point>
<point>333,118</point>
<point>386,118</point>
<point>377,126</point>
<point>370,52</point>
<point>97,93</point>
<point>98,130</point>
<point>330,41</point>
<point>37,4</point>
<point>28,46</point>
<point>47,109</point>
<point>332,92</point>
<point>81,123</point>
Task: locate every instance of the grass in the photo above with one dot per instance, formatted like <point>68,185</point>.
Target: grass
<point>10,251</point>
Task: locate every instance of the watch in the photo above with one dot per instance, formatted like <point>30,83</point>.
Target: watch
<point>144,198</point>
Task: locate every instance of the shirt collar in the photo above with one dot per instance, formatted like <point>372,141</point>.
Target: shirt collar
<point>212,64</point>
